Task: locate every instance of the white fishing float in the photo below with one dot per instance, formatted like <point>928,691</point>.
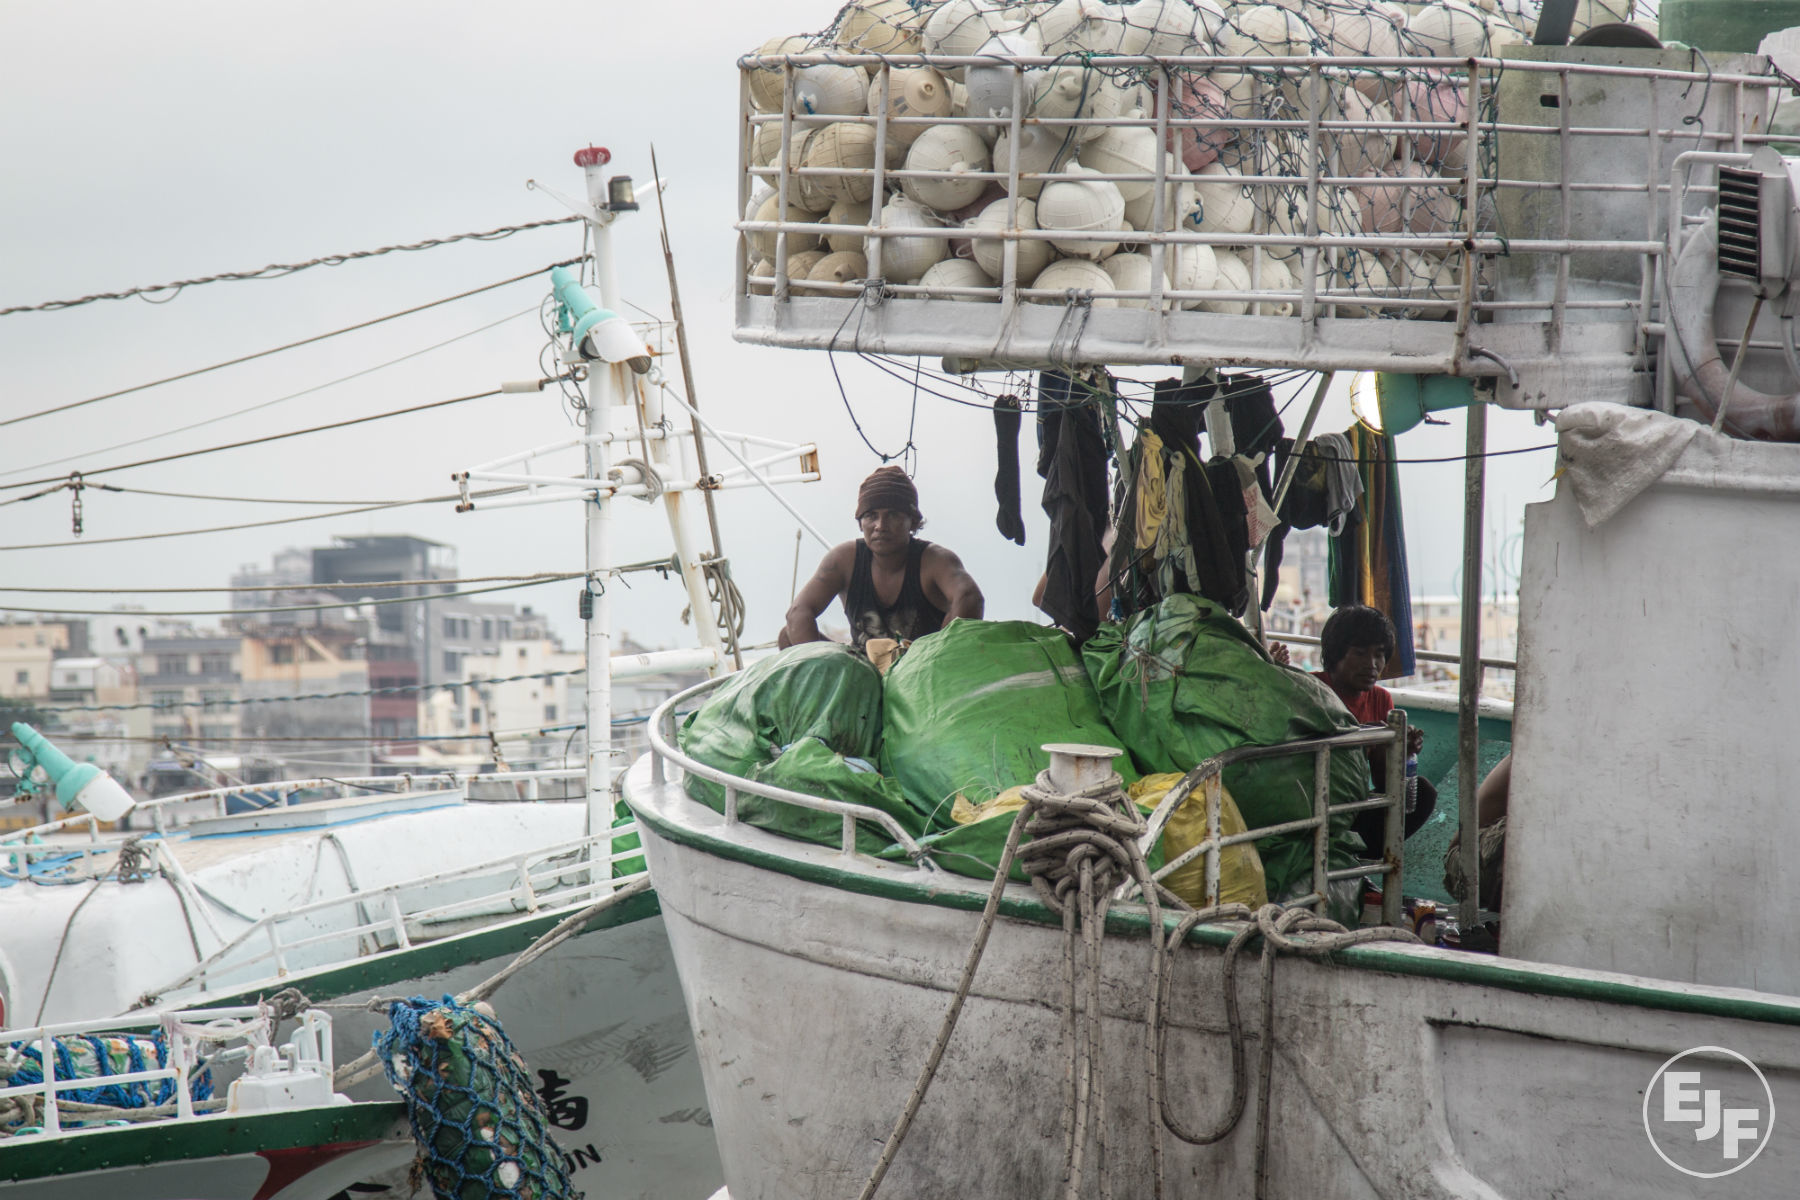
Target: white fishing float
<point>1081,206</point>
<point>956,273</point>
<point>1076,274</point>
<point>990,252</point>
<point>954,149</point>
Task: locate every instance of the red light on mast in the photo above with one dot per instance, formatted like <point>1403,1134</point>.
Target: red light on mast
<point>593,156</point>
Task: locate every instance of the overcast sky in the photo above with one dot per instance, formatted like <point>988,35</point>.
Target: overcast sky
<point>147,143</point>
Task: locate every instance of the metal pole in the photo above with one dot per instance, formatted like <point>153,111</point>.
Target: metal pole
<point>1468,703</point>
<point>603,393</point>
<point>687,383</point>
<point>693,575</point>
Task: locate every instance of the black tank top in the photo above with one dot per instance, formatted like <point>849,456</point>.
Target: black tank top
<point>910,616</point>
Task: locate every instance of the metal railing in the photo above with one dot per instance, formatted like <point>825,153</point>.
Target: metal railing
<point>663,752</point>
<point>384,919</point>
<point>17,847</point>
<point>1322,250</point>
<point>1209,777</point>
<point>186,1031</point>
<point>1206,775</point>
<point>1436,656</point>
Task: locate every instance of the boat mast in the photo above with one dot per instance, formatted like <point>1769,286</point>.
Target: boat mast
<point>604,391</point>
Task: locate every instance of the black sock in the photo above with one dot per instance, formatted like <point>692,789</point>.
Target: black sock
<point>1009,520</point>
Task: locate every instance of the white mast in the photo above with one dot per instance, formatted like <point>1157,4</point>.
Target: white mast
<point>621,371</point>
<point>603,391</point>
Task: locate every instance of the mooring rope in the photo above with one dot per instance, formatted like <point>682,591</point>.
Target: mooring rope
<point>1083,844</point>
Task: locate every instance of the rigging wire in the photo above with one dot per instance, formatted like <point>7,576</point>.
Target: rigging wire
<point>241,701</point>
<point>297,587</point>
<point>260,405</point>
<point>277,270</point>
<point>132,491</point>
<point>342,512</point>
<point>306,341</point>
<point>271,437</point>
<point>294,608</point>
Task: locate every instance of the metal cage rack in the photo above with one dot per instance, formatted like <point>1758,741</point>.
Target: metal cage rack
<point>1537,264</point>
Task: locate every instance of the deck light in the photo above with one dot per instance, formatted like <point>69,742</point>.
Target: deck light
<point>1402,401</point>
<point>597,332</point>
<point>40,765</point>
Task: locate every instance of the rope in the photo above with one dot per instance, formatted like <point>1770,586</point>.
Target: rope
<point>358,1069</point>
<point>1275,926</point>
<point>1083,844</point>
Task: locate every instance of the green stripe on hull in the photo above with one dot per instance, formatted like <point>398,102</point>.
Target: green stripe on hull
<point>1479,970</point>
<point>156,1142</point>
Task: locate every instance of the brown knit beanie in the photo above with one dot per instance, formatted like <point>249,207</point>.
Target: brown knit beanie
<point>887,487</point>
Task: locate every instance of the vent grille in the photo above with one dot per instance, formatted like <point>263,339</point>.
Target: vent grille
<point>1740,231</point>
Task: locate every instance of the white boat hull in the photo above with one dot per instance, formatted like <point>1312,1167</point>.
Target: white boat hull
<point>603,1012</point>
<point>1406,1072</point>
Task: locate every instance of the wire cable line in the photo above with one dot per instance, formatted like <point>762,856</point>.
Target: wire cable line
<point>293,608</point>
<point>270,437</point>
<point>342,512</point>
<point>297,587</point>
<point>276,270</point>
<point>241,701</point>
<point>260,405</point>
<point>306,341</point>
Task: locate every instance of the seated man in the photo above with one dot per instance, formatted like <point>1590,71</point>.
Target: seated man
<point>1355,646</point>
<point>891,583</point>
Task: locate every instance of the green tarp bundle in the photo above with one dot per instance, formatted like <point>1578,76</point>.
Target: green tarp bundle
<point>967,711</point>
<point>1184,681</point>
<point>970,708</point>
<point>793,720</point>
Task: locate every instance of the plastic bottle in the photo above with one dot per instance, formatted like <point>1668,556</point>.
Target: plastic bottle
<point>1412,781</point>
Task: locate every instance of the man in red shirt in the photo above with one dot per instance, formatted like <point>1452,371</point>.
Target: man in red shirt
<point>1355,646</point>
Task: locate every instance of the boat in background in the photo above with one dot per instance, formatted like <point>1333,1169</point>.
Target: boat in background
<point>193,1104</point>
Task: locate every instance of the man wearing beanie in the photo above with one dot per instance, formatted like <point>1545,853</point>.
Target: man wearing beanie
<point>891,583</point>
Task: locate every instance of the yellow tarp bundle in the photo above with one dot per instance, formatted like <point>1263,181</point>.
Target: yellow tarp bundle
<point>1240,867</point>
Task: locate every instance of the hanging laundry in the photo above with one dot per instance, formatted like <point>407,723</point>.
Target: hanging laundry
<point>1255,424</point>
<point>1259,517</point>
<point>1344,483</point>
<point>1180,535</point>
<point>1009,520</point>
<point>1320,493</point>
<point>1368,561</point>
<point>1072,461</point>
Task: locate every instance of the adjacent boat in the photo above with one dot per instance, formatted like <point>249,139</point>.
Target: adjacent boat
<point>340,902</point>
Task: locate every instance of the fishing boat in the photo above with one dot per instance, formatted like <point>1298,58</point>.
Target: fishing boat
<point>1620,214</point>
<point>196,1103</point>
<point>337,896</point>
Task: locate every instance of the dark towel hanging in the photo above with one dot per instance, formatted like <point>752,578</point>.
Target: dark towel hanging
<point>1072,460</point>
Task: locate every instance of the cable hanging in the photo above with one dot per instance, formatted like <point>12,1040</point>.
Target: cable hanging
<point>241,701</point>
<point>277,270</point>
<point>292,608</point>
<point>341,512</point>
<point>535,577</point>
<point>271,437</point>
<point>306,341</point>
<point>265,404</point>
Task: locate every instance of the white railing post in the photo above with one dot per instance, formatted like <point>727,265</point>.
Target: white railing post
<point>398,915</point>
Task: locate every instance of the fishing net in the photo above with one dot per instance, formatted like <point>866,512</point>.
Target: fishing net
<point>94,1056</point>
<point>480,1129</point>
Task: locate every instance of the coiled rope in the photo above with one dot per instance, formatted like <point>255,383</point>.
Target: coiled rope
<point>1083,844</point>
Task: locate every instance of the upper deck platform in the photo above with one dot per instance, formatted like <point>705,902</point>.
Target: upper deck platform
<point>1502,215</point>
